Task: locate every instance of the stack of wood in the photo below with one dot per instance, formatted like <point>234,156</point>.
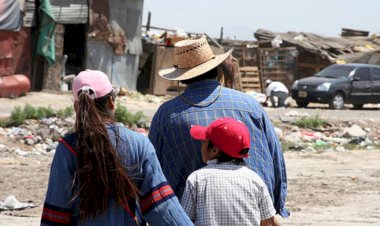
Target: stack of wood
<point>250,79</point>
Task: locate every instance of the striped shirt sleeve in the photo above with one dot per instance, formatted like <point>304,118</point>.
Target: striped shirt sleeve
<point>57,209</point>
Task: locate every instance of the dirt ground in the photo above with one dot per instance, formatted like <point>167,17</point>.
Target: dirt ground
<point>325,188</point>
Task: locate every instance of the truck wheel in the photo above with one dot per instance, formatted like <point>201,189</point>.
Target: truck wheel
<point>337,102</point>
<point>302,104</point>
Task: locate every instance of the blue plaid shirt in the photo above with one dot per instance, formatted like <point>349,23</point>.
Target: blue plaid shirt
<point>180,155</point>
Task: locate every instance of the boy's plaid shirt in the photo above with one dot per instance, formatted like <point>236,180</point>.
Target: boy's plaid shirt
<point>226,194</point>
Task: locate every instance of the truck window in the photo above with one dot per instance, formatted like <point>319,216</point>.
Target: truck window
<point>376,74</point>
<point>362,74</point>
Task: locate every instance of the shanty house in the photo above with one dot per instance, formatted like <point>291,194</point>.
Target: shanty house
<point>16,26</point>
<point>103,35</point>
<point>316,52</point>
<point>48,39</point>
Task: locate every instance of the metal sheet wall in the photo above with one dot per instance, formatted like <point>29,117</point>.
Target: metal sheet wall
<point>120,69</point>
<point>70,11</point>
<point>123,70</point>
<point>30,13</point>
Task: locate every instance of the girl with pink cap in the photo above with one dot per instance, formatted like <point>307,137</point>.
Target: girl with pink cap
<point>104,173</point>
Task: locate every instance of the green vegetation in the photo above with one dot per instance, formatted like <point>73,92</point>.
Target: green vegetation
<point>123,115</point>
<point>19,115</point>
<point>312,123</point>
<point>30,112</point>
<point>66,112</point>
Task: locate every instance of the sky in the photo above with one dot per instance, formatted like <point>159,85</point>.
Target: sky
<point>241,18</point>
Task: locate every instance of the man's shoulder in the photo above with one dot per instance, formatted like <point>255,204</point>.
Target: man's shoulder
<point>238,93</point>
<point>168,106</point>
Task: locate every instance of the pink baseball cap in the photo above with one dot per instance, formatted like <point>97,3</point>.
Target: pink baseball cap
<point>93,80</point>
<point>229,135</point>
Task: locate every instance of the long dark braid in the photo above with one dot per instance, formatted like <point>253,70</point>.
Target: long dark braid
<point>100,172</point>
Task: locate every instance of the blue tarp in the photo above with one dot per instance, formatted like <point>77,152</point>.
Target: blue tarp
<point>10,15</point>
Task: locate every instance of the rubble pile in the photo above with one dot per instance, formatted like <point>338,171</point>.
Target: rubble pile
<point>37,137</point>
<point>40,135</point>
<point>333,137</point>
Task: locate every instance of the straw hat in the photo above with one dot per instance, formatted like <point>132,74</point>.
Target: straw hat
<point>192,57</point>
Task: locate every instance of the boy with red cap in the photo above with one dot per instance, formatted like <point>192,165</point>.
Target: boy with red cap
<point>225,192</point>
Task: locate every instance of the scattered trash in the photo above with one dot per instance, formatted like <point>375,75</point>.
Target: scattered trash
<point>296,114</point>
<point>278,132</point>
<point>335,140</point>
<point>21,152</point>
<point>259,97</point>
<point>320,144</point>
<point>357,140</point>
<point>11,203</point>
<point>354,131</point>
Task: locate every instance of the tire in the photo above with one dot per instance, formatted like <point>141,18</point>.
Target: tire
<point>358,106</point>
<point>337,101</point>
<point>302,104</point>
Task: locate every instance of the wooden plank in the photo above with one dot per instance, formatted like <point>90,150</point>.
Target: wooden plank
<point>248,68</point>
<point>245,79</point>
<point>250,78</point>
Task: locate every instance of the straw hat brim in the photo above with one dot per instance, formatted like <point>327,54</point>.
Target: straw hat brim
<point>178,74</point>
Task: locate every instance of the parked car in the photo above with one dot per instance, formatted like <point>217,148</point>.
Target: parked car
<point>337,84</point>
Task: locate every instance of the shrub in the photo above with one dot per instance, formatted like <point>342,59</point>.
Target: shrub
<point>19,115</point>
<point>123,115</point>
<point>66,112</point>
<point>307,122</point>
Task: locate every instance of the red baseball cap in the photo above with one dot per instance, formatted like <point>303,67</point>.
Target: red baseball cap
<point>229,135</point>
<point>94,80</point>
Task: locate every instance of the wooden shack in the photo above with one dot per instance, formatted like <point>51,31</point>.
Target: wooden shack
<point>316,52</point>
<point>156,57</point>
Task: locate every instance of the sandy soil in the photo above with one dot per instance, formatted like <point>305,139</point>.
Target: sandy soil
<point>325,188</point>
<point>329,188</point>
<point>334,188</point>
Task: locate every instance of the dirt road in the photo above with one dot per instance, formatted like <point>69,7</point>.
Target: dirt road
<point>325,188</point>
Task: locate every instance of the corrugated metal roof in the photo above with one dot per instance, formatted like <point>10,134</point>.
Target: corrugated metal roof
<point>29,19</point>
<point>70,11</point>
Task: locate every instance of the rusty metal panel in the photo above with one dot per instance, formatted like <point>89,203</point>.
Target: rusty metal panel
<point>15,54</point>
<point>70,11</point>
<point>22,53</point>
<point>6,53</point>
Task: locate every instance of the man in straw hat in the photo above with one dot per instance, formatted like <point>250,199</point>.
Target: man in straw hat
<point>203,101</point>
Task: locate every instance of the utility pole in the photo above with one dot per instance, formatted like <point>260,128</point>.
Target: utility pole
<point>221,35</point>
<point>148,22</point>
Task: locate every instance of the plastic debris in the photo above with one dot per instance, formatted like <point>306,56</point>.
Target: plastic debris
<point>11,203</point>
